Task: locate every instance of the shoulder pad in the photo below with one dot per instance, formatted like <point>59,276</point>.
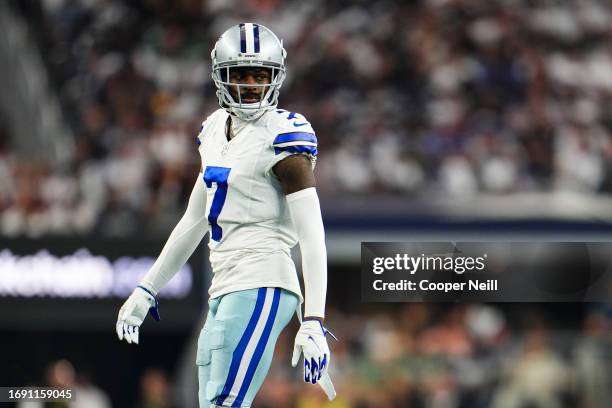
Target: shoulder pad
<point>293,134</point>
<point>286,121</point>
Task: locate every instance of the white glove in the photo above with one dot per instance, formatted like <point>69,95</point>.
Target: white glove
<point>133,313</point>
<point>311,341</point>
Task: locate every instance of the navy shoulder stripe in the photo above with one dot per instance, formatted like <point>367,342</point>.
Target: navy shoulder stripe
<point>295,137</point>
<point>310,150</point>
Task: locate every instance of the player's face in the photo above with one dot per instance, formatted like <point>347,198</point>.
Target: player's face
<point>252,81</point>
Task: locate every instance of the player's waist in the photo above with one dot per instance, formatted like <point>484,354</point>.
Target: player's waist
<point>252,266</point>
<point>228,259</point>
<point>254,239</point>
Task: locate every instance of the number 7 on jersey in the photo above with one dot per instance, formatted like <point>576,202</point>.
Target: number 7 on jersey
<point>218,175</point>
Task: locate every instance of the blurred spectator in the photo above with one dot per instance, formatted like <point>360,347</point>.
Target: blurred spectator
<point>61,374</point>
<point>538,378</point>
<point>592,362</point>
<point>155,389</point>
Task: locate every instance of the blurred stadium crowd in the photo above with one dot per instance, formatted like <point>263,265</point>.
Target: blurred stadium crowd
<point>457,356</point>
<point>418,356</point>
<point>450,97</point>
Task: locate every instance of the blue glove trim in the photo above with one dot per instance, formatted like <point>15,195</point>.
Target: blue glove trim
<point>154,310</point>
<point>323,329</point>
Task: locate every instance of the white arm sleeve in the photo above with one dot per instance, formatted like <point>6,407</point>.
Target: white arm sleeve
<point>182,241</point>
<point>306,216</point>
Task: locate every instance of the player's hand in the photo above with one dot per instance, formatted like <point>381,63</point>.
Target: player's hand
<point>133,313</point>
<point>310,341</point>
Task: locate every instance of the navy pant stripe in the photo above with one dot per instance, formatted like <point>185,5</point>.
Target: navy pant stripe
<point>261,346</point>
<point>244,341</point>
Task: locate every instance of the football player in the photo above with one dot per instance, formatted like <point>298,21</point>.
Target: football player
<point>256,196</point>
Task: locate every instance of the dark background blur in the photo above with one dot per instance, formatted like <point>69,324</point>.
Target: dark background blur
<point>436,120</point>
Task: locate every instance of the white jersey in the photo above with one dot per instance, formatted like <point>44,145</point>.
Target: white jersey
<point>250,227</point>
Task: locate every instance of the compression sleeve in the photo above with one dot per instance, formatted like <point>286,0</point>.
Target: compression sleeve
<point>305,213</point>
<point>183,240</point>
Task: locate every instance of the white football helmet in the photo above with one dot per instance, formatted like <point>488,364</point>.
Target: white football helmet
<point>248,45</point>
